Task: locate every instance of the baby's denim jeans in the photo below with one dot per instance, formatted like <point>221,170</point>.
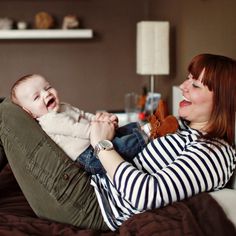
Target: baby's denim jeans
<point>128,142</point>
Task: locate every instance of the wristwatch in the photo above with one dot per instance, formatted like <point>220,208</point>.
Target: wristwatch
<point>103,145</point>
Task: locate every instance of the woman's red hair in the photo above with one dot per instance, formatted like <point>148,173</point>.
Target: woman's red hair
<point>219,77</point>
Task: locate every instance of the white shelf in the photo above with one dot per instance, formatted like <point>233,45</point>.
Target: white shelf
<point>46,34</point>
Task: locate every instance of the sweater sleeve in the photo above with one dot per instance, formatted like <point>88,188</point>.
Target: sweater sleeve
<point>200,167</point>
<point>63,124</point>
<point>82,114</point>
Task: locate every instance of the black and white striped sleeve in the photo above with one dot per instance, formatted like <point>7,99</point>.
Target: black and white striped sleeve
<point>198,168</point>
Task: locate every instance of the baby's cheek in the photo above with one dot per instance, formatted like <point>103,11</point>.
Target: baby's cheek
<point>43,110</point>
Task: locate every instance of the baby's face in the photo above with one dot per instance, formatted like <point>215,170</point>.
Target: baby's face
<point>37,97</point>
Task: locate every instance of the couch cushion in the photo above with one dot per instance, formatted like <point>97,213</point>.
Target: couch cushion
<point>226,199</point>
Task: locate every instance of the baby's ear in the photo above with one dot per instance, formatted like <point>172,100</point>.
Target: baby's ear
<point>29,112</point>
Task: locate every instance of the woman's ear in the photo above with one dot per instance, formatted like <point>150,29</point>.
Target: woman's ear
<point>29,112</point>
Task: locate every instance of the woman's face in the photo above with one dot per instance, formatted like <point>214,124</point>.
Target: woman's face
<point>197,102</point>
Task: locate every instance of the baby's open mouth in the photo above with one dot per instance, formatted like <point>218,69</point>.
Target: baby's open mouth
<point>50,102</point>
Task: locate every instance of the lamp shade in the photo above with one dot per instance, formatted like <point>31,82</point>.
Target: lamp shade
<point>153,47</point>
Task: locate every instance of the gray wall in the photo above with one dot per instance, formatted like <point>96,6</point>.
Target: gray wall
<point>96,73</point>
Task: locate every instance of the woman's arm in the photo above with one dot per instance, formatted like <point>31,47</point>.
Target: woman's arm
<point>109,159</point>
<point>198,169</point>
<point>202,167</point>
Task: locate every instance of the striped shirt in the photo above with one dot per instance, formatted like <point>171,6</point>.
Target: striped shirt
<point>171,168</point>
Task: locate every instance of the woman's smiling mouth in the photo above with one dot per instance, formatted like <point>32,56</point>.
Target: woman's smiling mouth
<point>185,102</point>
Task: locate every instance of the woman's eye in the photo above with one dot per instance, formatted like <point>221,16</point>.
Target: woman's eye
<point>195,86</point>
<point>36,98</point>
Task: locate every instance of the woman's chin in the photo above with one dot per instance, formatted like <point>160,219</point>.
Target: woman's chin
<point>183,112</point>
<point>182,115</point>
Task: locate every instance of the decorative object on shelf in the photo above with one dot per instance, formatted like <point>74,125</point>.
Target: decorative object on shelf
<point>153,49</point>
<point>21,25</point>
<point>44,20</point>
<point>70,22</point>
<point>6,23</point>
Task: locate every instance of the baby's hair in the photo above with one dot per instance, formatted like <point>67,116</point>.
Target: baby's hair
<point>24,78</point>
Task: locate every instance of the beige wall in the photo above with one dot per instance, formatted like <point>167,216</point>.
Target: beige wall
<point>96,73</point>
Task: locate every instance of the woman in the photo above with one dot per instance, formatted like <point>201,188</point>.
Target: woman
<point>199,157</point>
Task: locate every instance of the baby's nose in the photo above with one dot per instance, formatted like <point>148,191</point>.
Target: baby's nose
<point>45,93</point>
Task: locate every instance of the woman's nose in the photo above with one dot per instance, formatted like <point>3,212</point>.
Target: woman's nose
<point>184,86</point>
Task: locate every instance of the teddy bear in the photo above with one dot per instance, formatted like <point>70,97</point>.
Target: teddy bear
<point>162,123</point>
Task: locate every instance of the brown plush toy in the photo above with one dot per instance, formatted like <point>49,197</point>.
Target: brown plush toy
<point>161,122</point>
<point>44,20</point>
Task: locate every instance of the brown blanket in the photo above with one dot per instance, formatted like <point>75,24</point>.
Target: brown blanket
<point>200,215</point>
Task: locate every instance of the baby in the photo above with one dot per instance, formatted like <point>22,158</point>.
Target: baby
<point>70,127</point>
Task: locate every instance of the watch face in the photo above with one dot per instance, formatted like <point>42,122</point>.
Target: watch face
<point>103,145</point>
<point>106,144</point>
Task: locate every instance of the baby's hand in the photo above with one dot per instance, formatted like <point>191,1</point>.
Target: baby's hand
<point>114,120</point>
<point>107,117</point>
<point>101,131</point>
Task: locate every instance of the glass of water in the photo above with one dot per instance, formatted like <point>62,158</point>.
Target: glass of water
<point>131,108</point>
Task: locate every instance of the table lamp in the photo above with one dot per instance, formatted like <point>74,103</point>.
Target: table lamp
<point>153,49</point>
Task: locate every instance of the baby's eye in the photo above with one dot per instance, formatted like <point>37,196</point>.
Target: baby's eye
<point>36,98</point>
<point>49,87</point>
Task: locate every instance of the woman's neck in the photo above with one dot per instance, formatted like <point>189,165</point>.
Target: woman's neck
<point>201,126</point>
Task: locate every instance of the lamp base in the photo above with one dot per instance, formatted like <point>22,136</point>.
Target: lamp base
<point>152,88</point>
<point>152,83</point>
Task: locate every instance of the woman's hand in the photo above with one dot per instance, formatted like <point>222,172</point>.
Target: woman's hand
<point>109,159</point>
<point>100,131</point>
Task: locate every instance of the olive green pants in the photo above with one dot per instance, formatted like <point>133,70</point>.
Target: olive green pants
<point>55,187</point>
